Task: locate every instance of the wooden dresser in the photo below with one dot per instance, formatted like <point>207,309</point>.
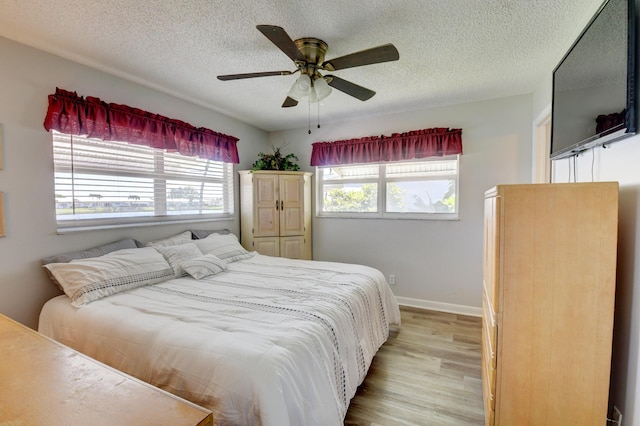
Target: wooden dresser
<point>549,292</point>
<point>45,383</point>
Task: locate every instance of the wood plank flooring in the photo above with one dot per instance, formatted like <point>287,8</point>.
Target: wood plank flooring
<point>427,373</point>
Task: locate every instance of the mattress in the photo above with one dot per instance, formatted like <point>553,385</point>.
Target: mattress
<point>271,341</point>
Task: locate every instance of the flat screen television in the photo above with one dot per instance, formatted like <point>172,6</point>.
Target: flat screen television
<point>594,86</point>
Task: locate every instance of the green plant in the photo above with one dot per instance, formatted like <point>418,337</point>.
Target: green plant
<point>275,161</point>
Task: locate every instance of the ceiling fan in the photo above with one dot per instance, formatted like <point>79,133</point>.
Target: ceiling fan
<point>308,56</point>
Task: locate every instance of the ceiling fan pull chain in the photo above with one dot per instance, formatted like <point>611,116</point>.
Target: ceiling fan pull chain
<point>318,113</point>
<point>309,103</point>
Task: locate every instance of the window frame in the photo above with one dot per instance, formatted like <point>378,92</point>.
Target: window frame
<point>382,182</point>
<point>159,179</point>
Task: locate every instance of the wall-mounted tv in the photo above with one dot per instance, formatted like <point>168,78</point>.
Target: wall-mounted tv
<point>594,86</point>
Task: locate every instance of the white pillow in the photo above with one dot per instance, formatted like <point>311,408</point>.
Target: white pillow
<point>175,255</point>
<point>86,280</point>
<point>204,266</point>
<point>181,238</point>
<point>226,247</point>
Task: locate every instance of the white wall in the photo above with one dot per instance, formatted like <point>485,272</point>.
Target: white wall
<point>619,162</point>
<point>437,263</point>
<point>27,77</point>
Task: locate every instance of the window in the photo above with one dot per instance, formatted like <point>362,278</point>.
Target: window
<point>425,189</point>
<point>104,183</point>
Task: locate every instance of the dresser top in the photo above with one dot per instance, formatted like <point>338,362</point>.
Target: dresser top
<point>45,382</point>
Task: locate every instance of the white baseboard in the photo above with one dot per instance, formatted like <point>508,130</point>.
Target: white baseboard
<point>440,306</point>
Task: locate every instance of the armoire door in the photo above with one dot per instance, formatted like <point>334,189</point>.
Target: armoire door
<point>266,206</point>
<point>291,194</point>
<point>269,246</point>
<point>292,247</point>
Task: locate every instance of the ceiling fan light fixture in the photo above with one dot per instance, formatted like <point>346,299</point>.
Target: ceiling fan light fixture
<point>321,88</point>
<point>301,87</point>
<point>304,83</point>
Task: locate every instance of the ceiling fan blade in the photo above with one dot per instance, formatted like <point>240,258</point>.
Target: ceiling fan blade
<point>289,102</point>
<point>281,39</point>
<point>375,55</point>
<point>349,88</point>
<point>252,75</point>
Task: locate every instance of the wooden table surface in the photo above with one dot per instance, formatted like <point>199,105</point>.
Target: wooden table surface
<point>43,382</point>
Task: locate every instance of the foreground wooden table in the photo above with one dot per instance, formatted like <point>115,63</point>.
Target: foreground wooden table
<point>43,382</point>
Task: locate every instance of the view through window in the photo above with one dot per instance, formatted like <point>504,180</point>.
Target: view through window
<point>415,189</point>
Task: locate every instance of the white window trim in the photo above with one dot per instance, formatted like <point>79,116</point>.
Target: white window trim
<point>382,194</point>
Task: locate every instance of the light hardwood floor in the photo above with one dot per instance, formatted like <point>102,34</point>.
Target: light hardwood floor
<point>427,373</point>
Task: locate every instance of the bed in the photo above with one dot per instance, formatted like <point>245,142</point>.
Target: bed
<point>258,340</point>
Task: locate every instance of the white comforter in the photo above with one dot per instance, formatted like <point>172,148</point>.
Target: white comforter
<point>270,341</point>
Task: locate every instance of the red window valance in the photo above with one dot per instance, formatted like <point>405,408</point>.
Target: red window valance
<point>74,115</point>
<point>365,150</point>
<point>397,147</point>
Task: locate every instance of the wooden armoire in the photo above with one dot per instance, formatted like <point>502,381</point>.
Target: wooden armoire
<point>549,292</point>
<point>275,213</point>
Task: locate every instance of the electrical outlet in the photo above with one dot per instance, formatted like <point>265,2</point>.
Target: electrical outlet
<point>392,279</point>
<point>617,416</point>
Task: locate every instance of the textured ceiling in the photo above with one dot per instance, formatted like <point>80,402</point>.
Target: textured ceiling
<point>451,51</point>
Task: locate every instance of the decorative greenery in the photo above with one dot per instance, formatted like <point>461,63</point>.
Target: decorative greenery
<point>275,161</point>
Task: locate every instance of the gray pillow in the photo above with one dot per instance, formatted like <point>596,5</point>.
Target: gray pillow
<point>174,240</point>
<point>93,252</point>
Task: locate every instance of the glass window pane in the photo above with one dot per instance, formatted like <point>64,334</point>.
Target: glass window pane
<point>430,196</point>
<point>194,198</point>
<point>356,197</point>
<point>100,196</point>
<point>417,189</point>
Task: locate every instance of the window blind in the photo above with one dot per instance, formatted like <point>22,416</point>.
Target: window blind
<point>100,183</point>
